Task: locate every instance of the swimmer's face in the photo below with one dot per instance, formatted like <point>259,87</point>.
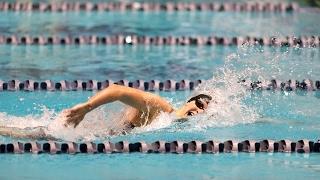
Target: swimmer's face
<point>194,107</point>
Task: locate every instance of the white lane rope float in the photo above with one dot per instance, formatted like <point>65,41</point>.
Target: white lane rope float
<point>286,41</point>
<point>147,6</point>
<point>152,85</point>
<point>178,147</point>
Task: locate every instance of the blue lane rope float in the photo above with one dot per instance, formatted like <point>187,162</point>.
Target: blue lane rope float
<point>303,41</point>
<point>152,85</point>
<point>146,6</point>
<point>178,147</point>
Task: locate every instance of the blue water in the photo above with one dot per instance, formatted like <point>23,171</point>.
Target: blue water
<point>281,116</point>
<point>162,166</point>
<point>161,23</point>
<point>161,62</point>
<point>242,114</point>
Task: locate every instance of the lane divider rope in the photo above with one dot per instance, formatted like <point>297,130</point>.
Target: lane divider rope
<point>303,41</point>
<point>146,6</point>
<point>179,147</point>
<point>153,85</point>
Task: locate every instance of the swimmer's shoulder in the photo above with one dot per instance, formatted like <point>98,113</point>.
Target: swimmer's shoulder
<point>159,102</point>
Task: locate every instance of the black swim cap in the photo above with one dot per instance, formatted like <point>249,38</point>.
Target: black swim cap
<point>200,96</point>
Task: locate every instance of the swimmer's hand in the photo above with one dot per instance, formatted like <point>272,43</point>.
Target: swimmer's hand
<point>76,114</point>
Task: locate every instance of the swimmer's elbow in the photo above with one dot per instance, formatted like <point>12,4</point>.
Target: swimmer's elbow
<point>116,91</point>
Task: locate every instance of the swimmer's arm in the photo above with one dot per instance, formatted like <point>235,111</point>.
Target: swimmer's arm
<point>133,97</point>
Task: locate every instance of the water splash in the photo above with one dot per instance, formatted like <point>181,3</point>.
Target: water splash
<point>43,119</point>
<point>227,108</point>
<point>92,127</point>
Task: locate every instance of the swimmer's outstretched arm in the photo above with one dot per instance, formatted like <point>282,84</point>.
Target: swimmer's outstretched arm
<point>31,133</point>
<point>142,101</point>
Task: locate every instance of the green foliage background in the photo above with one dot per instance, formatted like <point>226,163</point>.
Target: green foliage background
<point>309,2</point>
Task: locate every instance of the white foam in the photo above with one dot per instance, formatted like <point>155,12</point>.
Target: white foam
<point>226,109</point>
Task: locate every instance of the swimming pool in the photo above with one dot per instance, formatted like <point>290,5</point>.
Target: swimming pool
<point>240,115</point>
<point>161,23</point>
<point>111,62</point>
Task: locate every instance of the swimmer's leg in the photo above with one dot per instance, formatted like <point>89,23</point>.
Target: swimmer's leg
<point>31,133</point>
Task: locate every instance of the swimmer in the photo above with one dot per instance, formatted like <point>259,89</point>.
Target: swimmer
<point>144,107</point>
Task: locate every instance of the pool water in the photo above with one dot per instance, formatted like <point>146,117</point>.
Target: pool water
<point>290,115</point>
<point>240,114</point>
<point>161,23</point>
<point>161,62</point>
<point>162,166</point>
